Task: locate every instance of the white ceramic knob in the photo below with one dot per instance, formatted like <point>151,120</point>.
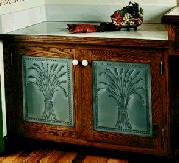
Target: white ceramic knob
<point>84,62</point>
<point>75,62</point>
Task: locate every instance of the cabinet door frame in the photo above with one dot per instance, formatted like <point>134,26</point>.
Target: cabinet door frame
<point>116,140</point>
<point>41,130</point>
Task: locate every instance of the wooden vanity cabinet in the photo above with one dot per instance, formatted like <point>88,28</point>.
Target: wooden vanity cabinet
<point>116,96</point>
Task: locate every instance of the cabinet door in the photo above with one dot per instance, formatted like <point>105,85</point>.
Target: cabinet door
<point>46,78</point>
<point>123,103</point>
<point>47,90</point>
<point>122,97</point>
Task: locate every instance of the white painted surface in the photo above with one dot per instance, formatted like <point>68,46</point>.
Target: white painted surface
<point>21,14</point>
<point>21,19</point>
<point>174,11</point>
<point>3,89</point>
<point>145,31</point>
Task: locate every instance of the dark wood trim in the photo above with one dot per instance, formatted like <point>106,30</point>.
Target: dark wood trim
<point>174,19</point>
<point>170,19</point>
<point>93,41</point>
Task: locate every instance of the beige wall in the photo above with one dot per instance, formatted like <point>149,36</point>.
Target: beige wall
<point>155,2</point>
<point>100,10</point>
<point>158,5</point>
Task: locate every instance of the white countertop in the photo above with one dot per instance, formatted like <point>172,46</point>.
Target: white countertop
<point>145,31</point>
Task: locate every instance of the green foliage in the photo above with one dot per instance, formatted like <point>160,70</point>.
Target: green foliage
<point>133,9</point>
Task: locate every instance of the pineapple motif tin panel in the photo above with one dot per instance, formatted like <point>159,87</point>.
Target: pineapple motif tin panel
<point>122,98</point>
<point>47,90</point>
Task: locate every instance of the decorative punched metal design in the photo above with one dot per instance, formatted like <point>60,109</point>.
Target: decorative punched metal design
<point>47,90</point>
<point>5,2</point>
<point>122,98</point>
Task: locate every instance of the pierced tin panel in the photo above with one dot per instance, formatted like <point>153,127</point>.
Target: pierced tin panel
<point>122,98</point>
<point>47,90</point>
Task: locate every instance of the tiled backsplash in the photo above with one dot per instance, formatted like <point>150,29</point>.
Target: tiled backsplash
<point>5,2</point>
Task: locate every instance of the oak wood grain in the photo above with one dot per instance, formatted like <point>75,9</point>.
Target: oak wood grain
<point>93,41</point>
<point>121,50</point>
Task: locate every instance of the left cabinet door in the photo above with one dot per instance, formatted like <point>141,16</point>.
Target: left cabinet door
<point>46,85</point>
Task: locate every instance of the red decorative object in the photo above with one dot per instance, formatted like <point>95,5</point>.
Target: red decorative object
<point>117,19</point>
<point>81,28</point>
